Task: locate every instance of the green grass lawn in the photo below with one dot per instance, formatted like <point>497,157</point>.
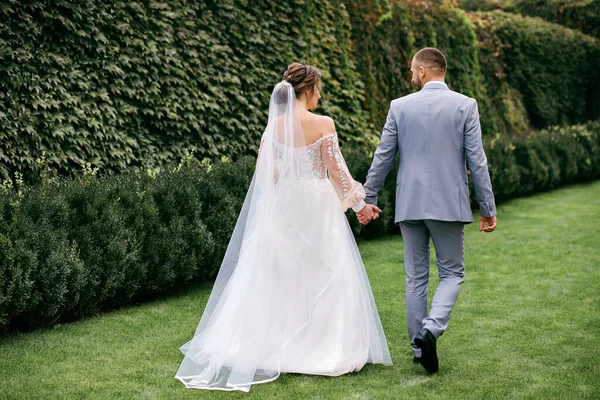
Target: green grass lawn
<point>526,325</point>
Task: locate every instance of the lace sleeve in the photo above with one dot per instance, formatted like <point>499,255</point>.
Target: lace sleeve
<point>351,192</point>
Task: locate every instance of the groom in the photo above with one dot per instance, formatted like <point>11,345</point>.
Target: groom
<point>436,131</point>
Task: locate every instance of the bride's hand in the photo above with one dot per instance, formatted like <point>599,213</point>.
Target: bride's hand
<point>368,213</point>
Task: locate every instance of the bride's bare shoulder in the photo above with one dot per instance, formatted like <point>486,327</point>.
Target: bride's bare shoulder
<point>324,124</point>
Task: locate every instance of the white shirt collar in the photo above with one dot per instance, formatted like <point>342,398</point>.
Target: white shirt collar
<point>435,83</point>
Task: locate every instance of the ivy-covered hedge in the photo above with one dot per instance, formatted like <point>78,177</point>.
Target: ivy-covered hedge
<point>517,68</point>
<point>556,87</point>
<point>583,15</point>
<point>71,247</point>
<point>386,36</point>
<point>131,84</point>
<point>127,84</point>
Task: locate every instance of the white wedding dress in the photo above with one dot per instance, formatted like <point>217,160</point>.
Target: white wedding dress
<point>292,295</point>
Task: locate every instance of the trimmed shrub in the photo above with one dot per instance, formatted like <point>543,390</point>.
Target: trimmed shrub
<point>72,247</point>
<point>583,15</point>
<point>541,161</point>
<point>518,166</point>
<point>483,5</point>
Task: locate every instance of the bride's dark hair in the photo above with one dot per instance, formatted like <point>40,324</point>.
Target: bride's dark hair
<point>301,77</point>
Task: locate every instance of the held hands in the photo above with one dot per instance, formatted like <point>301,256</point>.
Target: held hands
<point>371,212</point>
<point>368,213</point>
<point>491,224</point>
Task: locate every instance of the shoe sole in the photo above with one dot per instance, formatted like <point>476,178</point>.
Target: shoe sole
<point>430,366</point>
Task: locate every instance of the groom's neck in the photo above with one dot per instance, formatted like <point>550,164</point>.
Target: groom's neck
<point>435,79</point>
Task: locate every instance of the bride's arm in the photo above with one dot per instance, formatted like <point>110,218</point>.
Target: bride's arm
<point>351,192</point>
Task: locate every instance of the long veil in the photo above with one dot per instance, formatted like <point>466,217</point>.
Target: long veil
<point>241,338</point>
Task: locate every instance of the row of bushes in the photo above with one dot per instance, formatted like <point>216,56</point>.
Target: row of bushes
<point>72,247</point>
<point>127,84</point>
<point>518,166</point>
<point>583,15</point>
<point>515,66</point>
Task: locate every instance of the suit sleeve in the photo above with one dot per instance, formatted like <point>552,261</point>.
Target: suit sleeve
<point>477,162</point>
<point>383,160</point>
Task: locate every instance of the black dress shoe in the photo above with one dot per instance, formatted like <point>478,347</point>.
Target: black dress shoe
<point>426,342</point>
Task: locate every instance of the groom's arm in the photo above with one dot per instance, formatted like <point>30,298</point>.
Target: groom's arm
<point>383,160</point>
<point>477,162</point>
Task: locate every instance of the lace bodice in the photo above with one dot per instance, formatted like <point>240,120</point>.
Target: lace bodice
<point>313,165</point>
<point>323,159</point>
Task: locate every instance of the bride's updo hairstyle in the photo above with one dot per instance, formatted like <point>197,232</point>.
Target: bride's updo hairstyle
<point>301,77</point>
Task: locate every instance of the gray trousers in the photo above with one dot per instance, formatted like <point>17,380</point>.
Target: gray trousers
<point>448,239</point>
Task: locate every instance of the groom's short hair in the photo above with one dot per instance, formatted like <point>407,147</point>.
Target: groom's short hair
<point>432,59</point>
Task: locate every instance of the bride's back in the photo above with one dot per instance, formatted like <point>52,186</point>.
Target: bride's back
<point>315,126</point>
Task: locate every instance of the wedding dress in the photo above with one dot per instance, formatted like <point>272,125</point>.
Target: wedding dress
<point>292,295</point>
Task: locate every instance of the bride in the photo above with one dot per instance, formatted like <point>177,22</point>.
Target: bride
<point>292,295</point>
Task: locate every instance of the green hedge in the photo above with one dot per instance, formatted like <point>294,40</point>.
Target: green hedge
<point>583,15</point>
<point>527,55</point>
<point>518,165</point>
<point>386,36</point>
<point>515,67</point>
<point>545,160</point>
<point>73,247</point>
<point>131,84</point>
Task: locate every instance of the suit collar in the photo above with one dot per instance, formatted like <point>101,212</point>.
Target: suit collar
<point>435,85</point>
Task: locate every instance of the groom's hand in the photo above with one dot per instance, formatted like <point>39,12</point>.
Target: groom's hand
<point>491,224</point>
<point>368,213</point>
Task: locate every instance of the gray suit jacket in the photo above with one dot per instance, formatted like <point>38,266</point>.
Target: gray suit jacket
<point>436,131</point>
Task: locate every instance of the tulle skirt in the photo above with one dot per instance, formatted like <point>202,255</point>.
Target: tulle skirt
<point>297,301</point>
